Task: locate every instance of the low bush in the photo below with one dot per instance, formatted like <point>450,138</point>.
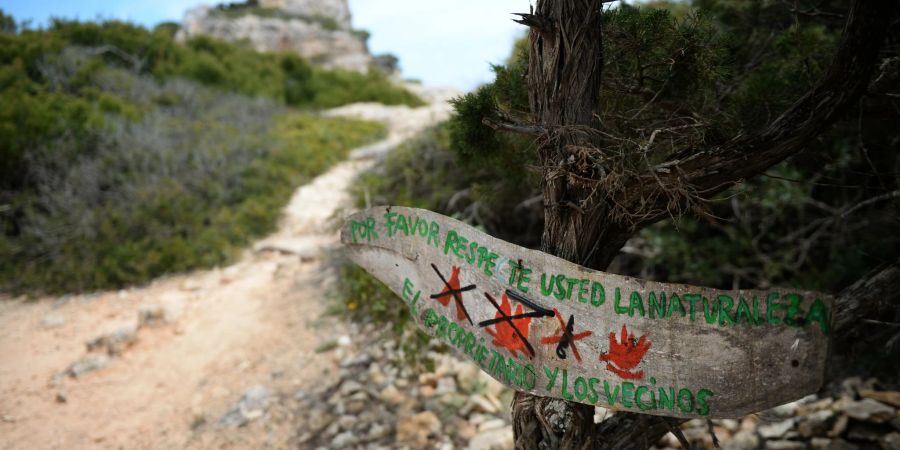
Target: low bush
<point>36,107</point>
<point>162,177</point>
<point>125,155</point>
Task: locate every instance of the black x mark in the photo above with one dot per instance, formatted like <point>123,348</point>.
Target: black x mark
<point>566,338</point>
<point>456,293</point>
<point>539,311</point>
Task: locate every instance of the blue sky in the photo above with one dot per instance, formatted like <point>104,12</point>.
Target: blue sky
<point>441,42</point>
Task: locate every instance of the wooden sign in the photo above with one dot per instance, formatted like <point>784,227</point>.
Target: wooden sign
<point>540,324</point>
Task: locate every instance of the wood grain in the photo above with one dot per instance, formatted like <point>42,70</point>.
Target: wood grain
<point>710,353</point>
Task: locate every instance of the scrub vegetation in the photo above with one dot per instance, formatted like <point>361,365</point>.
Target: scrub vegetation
<point>125,155</point>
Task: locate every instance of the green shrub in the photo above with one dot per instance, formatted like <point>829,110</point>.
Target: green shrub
<point>332,88</point>
<point>158,186</point>
<point>125,155</point>
<point>227,66</point>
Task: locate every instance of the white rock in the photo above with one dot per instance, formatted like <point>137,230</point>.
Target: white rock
<point>785,445</point>
<point>786,410</point>
<point>491,425</point>
<point>730,424</point>
<point>87,364</point>
<point>300,30</point>
<point>251,406</point>
<point>349,387</point>
<point>742,440</point>
<point>776,430</point>
<point>483,404</point>
<point>318,420</point>
<point>839,427</point>
<point>156,314</point>
<point>338,10</point>
<point>497,439</point>
<point>416,429</point>
<point>869,410</point>
<point>347,422</point>
<point>392,395</point>
<point>446,385</point>
<point>343,440</point>
<point>116,342</point>
<point>890,441</point>
<point>815,424</point>
<point>377,431</point>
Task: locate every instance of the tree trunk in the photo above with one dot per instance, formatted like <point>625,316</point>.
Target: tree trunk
<point>564,75</point>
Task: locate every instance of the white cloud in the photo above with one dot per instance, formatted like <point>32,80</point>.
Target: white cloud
<point>442,42</point>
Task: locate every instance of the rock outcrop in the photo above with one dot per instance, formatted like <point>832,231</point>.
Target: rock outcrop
<point>337,10</point>
<point>318,30</point>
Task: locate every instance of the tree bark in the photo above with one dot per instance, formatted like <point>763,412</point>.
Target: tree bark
<point>564,74</point>
<point>564,71</point>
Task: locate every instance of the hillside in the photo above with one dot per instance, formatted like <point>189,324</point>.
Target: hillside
<point>125,155</point>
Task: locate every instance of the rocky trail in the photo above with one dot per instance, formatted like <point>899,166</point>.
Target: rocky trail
<point>210,359</point>
<point>244,357</point>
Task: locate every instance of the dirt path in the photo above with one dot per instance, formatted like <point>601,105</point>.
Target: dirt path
<point>255,323</point>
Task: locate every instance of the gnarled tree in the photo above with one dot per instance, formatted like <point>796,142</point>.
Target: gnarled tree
<point>600,187</point>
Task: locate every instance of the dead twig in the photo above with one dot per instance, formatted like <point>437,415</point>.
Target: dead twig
<point>531,130</point>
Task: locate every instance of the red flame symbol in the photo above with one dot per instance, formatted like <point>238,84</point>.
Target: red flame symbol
<point>504,333</point>
<point>625,355</point>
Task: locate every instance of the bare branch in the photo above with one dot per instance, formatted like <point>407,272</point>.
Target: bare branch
<point>876,199</point>
<point>875,296</point>
<point>539,23</point>
<point>888,76</point>
<point>673,428</point>
<point>531,130</point>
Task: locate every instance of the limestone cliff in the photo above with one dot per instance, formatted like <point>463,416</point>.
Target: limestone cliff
<point>338,10</point>
<point>318,30</point>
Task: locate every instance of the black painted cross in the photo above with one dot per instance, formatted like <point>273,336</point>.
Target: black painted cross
<point>538,311</point>
<point>456,292</point>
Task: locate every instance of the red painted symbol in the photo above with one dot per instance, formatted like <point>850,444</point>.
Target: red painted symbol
<point>510,332</point>
<point>566,337</point>
<point>451,288</point>
<point>625,355</point>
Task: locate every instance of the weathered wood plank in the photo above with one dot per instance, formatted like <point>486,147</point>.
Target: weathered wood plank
<point>540,324</point>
